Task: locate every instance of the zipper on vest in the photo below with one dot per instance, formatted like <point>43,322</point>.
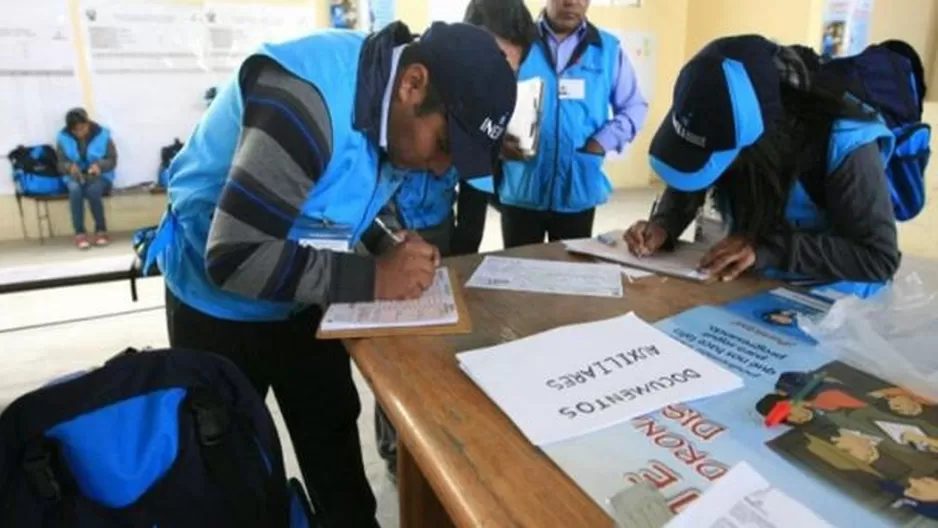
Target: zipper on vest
<point>574,58</point>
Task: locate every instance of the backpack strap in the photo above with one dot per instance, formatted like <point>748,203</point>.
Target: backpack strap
<point>217,431</point>
<point>50,481</point>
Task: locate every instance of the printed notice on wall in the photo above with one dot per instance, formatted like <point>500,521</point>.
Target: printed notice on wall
<point>151,63</point>
<point>36,36</point>
<point>37,74</point>
<point>577,379</point>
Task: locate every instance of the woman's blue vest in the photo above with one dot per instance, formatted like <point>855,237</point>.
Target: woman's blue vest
<point>425,200</point>
<point>95,151</point>
<point>804,215</point>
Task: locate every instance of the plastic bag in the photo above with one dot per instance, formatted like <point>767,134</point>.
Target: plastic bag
<point>892,335</point>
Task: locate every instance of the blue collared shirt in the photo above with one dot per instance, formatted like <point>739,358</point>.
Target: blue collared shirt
<point>629,107</point>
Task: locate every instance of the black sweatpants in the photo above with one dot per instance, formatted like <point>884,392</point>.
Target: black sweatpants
<point>312,381</point>
<point>522,227</point>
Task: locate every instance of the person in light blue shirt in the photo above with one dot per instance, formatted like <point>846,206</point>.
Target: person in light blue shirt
<point>586,73</point>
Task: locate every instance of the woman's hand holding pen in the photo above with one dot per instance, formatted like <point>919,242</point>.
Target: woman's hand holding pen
<point>406,270</point>
<point>645,238</point>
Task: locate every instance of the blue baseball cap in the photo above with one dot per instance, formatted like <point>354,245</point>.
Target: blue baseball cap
<point>724,99</point>
<point>478,89</point>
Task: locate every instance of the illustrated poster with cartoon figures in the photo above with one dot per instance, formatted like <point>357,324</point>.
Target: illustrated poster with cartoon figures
<point>682,449</point>
<point>875,441</point>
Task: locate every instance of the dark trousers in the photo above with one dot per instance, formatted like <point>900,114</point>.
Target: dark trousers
<point>312,381</point>
<point>471,208</point>
<point>522,227</point>
<point>441,236</point>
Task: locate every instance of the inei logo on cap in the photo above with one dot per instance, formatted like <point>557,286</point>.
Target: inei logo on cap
<point>493,131</point>
<point>681,129</point>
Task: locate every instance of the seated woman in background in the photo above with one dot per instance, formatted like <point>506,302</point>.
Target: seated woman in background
<point>87,159</point>
<point>796,172</point>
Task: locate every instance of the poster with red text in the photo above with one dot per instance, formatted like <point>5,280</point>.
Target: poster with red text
<point>682,449</point>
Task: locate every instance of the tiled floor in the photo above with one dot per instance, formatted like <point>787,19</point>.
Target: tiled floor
<point>53,332</point>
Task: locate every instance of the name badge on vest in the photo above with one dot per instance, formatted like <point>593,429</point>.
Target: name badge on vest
<point>572,89</point>
<point>332,238</point>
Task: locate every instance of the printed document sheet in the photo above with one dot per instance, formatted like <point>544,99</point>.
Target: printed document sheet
<point>525,121</point>
<point>683,262</point>
<point>578,379</point>
<point>744,499</point>
<point>546,276</point>
<point>437,306</point>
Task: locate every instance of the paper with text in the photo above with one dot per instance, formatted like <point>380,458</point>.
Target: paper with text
<point>581,378</point>
<point>683,262</point>
<point>546,276</point>
<point>437,306</point>
<point>526,120</point>
<point>744,499</point>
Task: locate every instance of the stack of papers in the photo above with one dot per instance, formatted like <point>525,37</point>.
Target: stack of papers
<point>578,379</point>
<point>744,499</point>
<point>526,120</point>
<point>437,306</point>
<point>682,263</point>
<point>545,276</point>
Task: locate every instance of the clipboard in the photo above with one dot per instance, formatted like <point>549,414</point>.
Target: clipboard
<point>608,248</point>
<point>463,324</point>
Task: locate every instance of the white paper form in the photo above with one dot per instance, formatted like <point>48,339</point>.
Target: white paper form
<point>437,306</point>
<point>578,379</point>
<point>744,499</point>
<point>526,119</point>
<point>545,276</point>
<point>683,262</point>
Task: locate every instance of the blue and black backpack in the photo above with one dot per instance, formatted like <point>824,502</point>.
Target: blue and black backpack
<point>151,439</point>
<point>35,171</point>
<point>889,78</point>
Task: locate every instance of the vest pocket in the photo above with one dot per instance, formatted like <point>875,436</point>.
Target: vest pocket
<point>587,185</point>
<point>522,185</point>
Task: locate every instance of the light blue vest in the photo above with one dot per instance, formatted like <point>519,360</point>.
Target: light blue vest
<point>343,203</point>
<point>96,150</point>
<point>803,213</point>
<point>424,200</point>
<point>561,177</point>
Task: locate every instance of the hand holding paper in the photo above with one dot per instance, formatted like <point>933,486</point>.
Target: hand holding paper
<point>526,119</point>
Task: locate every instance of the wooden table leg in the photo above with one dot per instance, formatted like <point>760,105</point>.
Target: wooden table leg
<point>420,507</point>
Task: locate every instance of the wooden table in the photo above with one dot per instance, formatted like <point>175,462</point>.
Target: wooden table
<point>461,460</point>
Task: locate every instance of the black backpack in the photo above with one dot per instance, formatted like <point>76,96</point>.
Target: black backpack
<point>35,170</point>
<point>163,438</point>
<point>889,79</point>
